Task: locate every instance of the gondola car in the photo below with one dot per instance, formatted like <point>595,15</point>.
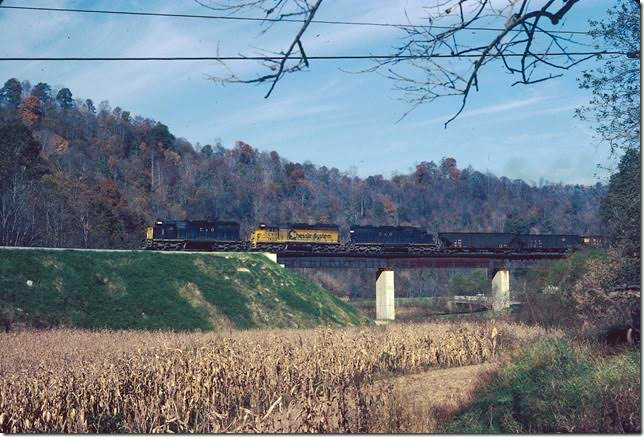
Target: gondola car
<point>319,237</point>
<point>464,241</point>
<point>382,239</point>
<point>193,235</point>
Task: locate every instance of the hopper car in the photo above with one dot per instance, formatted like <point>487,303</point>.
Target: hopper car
<point>466,241</point>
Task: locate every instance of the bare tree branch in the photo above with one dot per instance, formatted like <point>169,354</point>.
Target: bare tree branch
<point>274,8</point>
<point>427,79</point>
<point>419,67</point>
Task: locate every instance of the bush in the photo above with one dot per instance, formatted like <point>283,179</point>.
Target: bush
<point>7,317</point>
<point>599,299</point>
<point>584,291</point>
<point>557,386</point>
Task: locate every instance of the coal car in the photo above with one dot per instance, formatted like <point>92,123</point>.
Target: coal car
<point>548,242</point>
<point>594,240</point>
<point>193,235</point>
<point>464,241</point>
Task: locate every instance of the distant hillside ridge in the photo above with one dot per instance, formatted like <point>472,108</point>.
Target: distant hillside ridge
<point>157,290</point>
<point>93,175</point>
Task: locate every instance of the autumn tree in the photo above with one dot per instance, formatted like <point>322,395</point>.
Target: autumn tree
<point>425,171</point>
<point>29,111</point>
<point>449,169</point>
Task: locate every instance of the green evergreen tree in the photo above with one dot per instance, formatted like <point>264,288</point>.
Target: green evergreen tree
<point>42,91</point>
<point>90,106</point>
<point>64,98</point>
<point>11,93</point>
<point>18,152</point>
<point>621,209</point>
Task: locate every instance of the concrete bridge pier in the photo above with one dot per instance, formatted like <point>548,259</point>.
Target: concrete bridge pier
<point>500,289</point>
<point>385,310</point>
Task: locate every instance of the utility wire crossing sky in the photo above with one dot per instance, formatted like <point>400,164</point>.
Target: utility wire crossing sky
<point>323,114</point>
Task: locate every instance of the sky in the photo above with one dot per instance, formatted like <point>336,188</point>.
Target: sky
<point>324,115</point>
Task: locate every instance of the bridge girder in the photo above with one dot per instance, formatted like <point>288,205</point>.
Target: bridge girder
<point>493,264</point>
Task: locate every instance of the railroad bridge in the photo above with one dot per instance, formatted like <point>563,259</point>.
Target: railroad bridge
<point>498,265</point>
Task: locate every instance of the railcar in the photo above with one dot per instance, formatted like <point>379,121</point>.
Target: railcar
<point>382,239</point>
<point>194,235</point>
<point>548,242</point>
<point>477,240</point>
<point>319,237</point>
<point>594,240</point>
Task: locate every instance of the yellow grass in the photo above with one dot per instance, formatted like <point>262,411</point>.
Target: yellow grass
<point>317,380</point>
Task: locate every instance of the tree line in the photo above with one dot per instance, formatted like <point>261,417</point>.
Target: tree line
<point>77,175</point>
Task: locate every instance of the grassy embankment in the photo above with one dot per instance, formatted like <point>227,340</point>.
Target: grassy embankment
<point>152,290</point>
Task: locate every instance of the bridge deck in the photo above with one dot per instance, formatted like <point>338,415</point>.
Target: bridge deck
<point>488,260</point>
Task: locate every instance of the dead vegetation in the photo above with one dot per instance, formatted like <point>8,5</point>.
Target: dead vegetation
<point>320,380</point>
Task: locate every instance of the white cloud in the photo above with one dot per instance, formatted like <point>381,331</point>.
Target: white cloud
<point>505,106</point>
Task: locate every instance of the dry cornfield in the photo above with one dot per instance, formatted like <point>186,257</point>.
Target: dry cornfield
<point>246,381</point>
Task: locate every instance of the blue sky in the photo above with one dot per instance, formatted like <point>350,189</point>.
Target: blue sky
<point>322,115</point>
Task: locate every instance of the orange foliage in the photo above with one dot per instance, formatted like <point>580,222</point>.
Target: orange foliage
<point>29,111</point>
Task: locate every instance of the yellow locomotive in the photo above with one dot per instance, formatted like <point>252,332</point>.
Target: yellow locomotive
<point>298,234</point>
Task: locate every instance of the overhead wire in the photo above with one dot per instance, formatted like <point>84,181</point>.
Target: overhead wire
<point>295,58</point>
<point>273,58</point>
<point>267,19</point>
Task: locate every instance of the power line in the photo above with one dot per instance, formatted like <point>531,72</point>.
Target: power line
<point>273,20</point>
<point>295,58</point>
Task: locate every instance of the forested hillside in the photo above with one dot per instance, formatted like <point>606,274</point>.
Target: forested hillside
<point>76,174</point>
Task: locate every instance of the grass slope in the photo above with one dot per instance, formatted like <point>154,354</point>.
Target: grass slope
<point>153,290</point>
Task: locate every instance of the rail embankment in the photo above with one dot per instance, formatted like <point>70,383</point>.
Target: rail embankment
<point>154,290</point>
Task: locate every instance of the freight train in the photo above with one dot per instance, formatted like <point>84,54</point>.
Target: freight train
<point>325,238</point>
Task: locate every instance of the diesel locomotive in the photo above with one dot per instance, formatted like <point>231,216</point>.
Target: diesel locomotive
<point>275,238</point>
<point>383,239</point>
<point>194,235</point>
<point>322,237</point>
